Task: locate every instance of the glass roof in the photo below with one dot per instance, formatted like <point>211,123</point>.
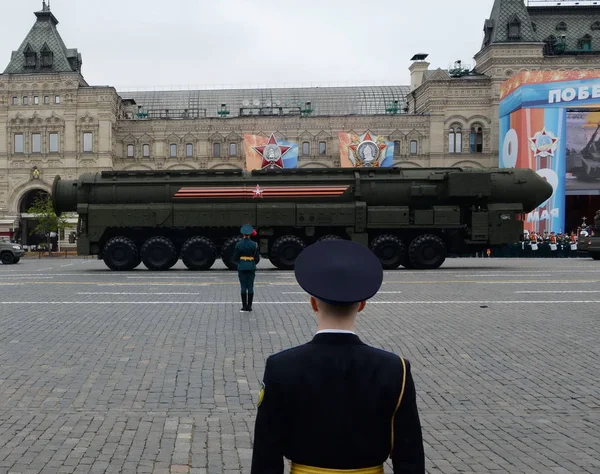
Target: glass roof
<point>341,101</point>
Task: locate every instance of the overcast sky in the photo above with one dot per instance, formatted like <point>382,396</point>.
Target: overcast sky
<point>157,44</point>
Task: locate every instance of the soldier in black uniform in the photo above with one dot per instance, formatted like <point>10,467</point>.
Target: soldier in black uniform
<point>336,404</point>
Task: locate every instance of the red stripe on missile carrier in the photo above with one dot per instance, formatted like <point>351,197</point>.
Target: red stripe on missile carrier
<point>260,192</point>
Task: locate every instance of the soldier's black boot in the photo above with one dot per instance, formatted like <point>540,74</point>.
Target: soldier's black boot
<point>250,298</point>
<point>244,303</point>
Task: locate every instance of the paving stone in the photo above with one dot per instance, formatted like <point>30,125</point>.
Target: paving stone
<point>104,385</point>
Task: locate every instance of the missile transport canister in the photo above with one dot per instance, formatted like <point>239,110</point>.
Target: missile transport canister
<point>410,217</point>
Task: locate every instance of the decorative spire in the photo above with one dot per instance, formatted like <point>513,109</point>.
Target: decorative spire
<point>509,22</point>
<point>45,14</point>
<point>44,41</point>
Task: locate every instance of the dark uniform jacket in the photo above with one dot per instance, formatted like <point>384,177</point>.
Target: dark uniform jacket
<point>333,403</point>
<point>249,249</point>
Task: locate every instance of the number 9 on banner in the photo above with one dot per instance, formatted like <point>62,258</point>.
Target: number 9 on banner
<point>510,149</point>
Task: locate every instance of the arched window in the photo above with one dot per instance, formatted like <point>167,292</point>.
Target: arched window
<point>129,151</point>
<point>514,29</point>
<point>397,150</point>
<point>455,140</point>
<point>30,57</point>
<point>305,149</point>
<point>585,43</point>
<point>232,149</point>
<point>414,147</point>
<point>476,139</point>
<point>322,148</point>
<point>549,44</point>
<point>47,56</point>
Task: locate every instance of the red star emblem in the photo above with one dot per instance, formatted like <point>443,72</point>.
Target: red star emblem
<point>257,191</point>
<point>549,144</point>
<point>272,153</point>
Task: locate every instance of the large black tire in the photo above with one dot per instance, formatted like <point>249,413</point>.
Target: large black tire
<point>198,253</point>
<point>120,254</point>
<point>390,251</point>
<point>17,260</point>
<point>595,256</point>
<point>427,252</point>
<point>159,253</point>
<point>7,258</point>
<point>227,251</point>
<point>285,251</point>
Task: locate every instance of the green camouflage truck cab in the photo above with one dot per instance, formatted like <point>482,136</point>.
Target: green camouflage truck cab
<point>408,217</point>
<point>592,244</point>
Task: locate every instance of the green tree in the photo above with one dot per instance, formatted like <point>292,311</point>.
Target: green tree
<point>48,221</point>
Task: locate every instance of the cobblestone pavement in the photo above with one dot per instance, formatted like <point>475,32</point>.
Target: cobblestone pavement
<point>159,372</point>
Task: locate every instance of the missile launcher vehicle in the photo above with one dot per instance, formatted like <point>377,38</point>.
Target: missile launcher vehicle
<point>410,217</point>
<point>590,244</point>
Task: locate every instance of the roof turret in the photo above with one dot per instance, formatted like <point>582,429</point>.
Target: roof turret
<point>43,50</point>
<point>509,22</point>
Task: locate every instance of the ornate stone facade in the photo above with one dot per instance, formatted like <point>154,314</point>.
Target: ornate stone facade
<point>52,121</point>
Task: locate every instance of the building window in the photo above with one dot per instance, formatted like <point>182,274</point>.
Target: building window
<point>25,100</point>
<point>397,149</point>
<point>322,148</point>
<point>88,142</point>
<point>30,57</point>
<point>36,100</point>
<point>15,101</point>
<point>514,29</point>
<point>47,56</point>
<point>305,149</point>
<point>476,139</point>
<point>46,99</point>
<point>455,140</point>
<point>36,143</point>
<point>189,150</point>
<point>129,151</point>
<point>595,26</point>
<point>217,150</point>
<point>18,143</point>
<point>173,149</point>
<point>53,139</point>
<point>561,26</point>
<point>146,150</point>
<point>233,149</point>
<point>549,44</point>
<point>57,99</point>
<point>585,43</point>
<point>413,147</point>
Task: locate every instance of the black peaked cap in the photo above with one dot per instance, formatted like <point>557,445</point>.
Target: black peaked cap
<point>339,272</point>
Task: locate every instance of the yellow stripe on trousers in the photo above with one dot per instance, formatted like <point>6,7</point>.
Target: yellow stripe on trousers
<point>300,469</point>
